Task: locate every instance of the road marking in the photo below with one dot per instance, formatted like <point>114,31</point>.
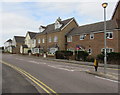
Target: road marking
<point>60,68</point>
<point>37,62</point>
<point>19,59</point>
<point>32,78</point>
<point>107,79</point>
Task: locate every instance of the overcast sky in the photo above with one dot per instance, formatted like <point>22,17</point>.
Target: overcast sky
<point>20,16</point>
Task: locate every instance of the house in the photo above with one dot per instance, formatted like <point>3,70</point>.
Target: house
<point>1,50</point>
<point>16,43</point>
<point>91,37</point>
<point>52,37</point>
<point>116,13</point>
<point>29,44</point>
<point>7,46</point>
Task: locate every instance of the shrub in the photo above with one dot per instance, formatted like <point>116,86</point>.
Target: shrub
<point>100,58</point>
<point>90,59</point>
<point>81,55</point>
<point>63,54</point>
<point>112,58</point>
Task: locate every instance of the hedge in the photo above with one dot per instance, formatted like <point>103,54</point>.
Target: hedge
<point>112,58</point>
<point>63,54</point>
<point>81,55</point>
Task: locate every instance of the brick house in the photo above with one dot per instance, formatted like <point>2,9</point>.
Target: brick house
<point>52,37</point>
<point>16,43</point>
<point>91,37</point>
<point>116,14</point>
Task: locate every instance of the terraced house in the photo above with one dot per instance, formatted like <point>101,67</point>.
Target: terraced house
<point>91,37</point>
<point>16,43</point>
<point>29,43</point>
<point>52,37</point>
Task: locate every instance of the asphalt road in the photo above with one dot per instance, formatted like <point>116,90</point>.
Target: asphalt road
<point>13,82</point>
<point>51,76</point>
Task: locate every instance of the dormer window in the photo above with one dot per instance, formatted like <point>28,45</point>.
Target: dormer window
<point>41,28</point>
<point>58,24</point>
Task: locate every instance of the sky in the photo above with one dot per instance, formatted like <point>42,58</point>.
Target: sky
<point>19,16</point>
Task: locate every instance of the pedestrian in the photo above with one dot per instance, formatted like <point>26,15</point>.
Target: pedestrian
<point>96,64</point>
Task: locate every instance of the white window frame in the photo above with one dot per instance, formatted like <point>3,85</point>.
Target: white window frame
<point>107,50</point>
<point>50,40</point>
<point>55,39</point>
<point>109,35</point>
<point>82,36</point>
<point>92,35</point>
<point>69,39</point>
<point>39,40</point>
<point>43,40</point>
<point>90,52</point>
<point>57,25</point>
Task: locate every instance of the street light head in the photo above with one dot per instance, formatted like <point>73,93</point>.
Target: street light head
<point>104,5</point>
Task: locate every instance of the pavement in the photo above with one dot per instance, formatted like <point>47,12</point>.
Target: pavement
<point>17,83</point>
<point>101,74</point>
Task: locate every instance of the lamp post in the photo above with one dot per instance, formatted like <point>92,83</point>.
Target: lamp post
<point>104,5</point>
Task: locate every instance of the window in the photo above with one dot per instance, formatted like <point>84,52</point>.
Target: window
<point>39,40</point>
<point>90,51</point>
<point>32,41</point>
<point>82,37</point>
<point>50,40</point>
<point>108,50</point>
<point>43,41</point>
<point>55,39</point>
<point>57,25</point>
<point>109,35</point>
<point>69,39</point>
<point>92,36</point>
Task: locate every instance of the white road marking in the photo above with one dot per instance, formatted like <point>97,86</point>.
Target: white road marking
<point>60,68</point>
<point>71,68</point>
<point>107,79</point>
<point>37,62</point>
<point>34,62</point>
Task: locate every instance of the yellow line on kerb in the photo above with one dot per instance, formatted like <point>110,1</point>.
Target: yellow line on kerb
<point>32,78</point>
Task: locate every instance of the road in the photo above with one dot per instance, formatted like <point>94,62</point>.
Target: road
<point>58,77</point>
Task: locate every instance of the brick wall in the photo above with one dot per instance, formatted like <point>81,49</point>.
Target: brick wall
<point>95,44</point>
<point>60,35</point>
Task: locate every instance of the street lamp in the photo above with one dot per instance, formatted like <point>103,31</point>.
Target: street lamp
<point>104,5</point>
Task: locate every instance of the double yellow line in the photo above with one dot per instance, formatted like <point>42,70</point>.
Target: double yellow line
<point>33,79</point>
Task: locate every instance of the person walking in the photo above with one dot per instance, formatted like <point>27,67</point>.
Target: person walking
<point>96,65</point>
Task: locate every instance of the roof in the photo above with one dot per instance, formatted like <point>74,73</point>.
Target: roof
<point>32,34</point>
<point>117,5</point>
<point>19,39</point>
<point>51,27</point>
<point>9,40</point>
<point>95,27</point>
